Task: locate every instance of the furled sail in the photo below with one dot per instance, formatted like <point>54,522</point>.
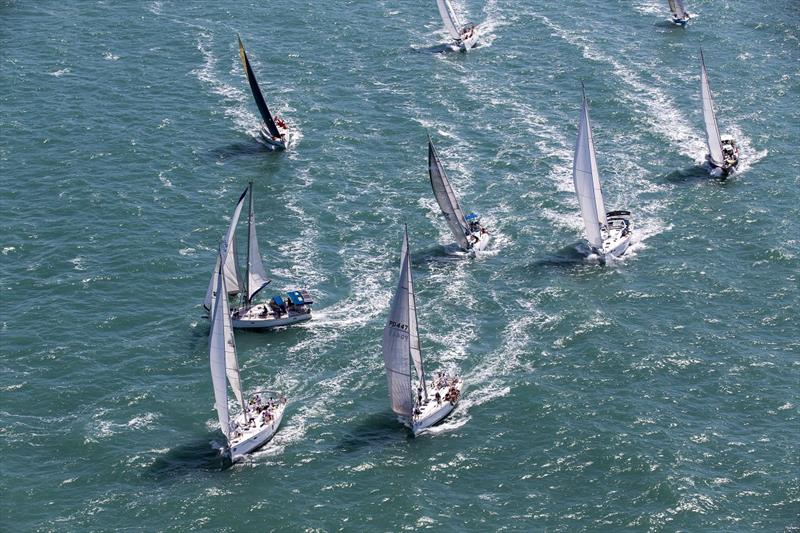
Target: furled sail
<point>712,130</point>
<point>259,97</point>
<point>450,19</point>
<point>256,275</point>
<point>446,197</point>
<point>232,281</point>
<point>587,180</point>
<point>398,345</point>
<point>677,9</point>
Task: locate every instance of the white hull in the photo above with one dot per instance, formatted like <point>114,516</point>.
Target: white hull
<point>616,237</point>
<point>469,42</point>
<point>261,317</point>
<point>433,411</point>
<point>274,144</point>
<point>724,171</point>
<point>483,242</point>
<point>256,437</point>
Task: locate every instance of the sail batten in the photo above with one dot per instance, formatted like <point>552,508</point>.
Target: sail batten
<point>586,179</point>
<point>257,94</point>
<point>709,118</point>
<point>450,19</point>
<point>446,197</point>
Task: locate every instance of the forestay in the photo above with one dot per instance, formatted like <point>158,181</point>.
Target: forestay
<point>401,340</point>
<point>587,180</point>
<point>256,274</point>
<point>450,19</point>
<point>231,268</point>
<point>712,130</point>
<point>677,8</point>
<point>446,197</point>
<point>260,102</point>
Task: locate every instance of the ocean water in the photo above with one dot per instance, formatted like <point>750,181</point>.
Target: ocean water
<point>656,393</point>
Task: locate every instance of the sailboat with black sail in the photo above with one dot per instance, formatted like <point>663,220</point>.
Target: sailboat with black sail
<point>279,310</point>
<point>679,14</point>
<point>273,130</point>
<point>430,401</point>
<point>470,235</point>
<point>464,35</point>
<point>259,418</point>
<point>608,233</point>
<point>723,154</point>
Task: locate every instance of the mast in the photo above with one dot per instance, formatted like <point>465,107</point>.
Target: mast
<point>446,197</point>
<point>246,295</point>
<point>709,118</point>
<point>256,274</point>
<point>257,94</point>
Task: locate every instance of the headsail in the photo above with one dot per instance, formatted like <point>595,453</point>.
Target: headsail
<point>450,19</point>
<point>676,6</point>
<point>413,329</point>
<point>232,281</point>
<point>446,197</point>
<point>256,275</point>
<point>222,351</point>
<point>259,97</point>
<point>397,340</point>
<point>712,130</point>
<point>587,180</point>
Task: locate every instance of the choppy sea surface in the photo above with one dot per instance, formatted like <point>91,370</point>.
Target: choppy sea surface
<point>656,393</point>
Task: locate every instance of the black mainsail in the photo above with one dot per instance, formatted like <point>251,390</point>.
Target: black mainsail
<point>260,102</point>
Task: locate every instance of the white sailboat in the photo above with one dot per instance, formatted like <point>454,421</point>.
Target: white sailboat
<point>434,399</point>
<point>679,14</point>
<point>467,229</point>
<point>608,233</point>
<point>723,154</point>
<point>259,418</point>
<point>273,130</point>
<point>278,311</point>
<point>464,35</point>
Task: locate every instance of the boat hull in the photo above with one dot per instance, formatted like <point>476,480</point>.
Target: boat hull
<point>432,412</point>
<point>255,438</point>
<point>483,242</point>
<point>260,317</point>
<point>469,42</point>
<point>721,171</point>
<point>617,237</point>
<point>274,144</point>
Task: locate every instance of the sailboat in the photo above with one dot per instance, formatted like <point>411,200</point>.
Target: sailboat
<point>723,154</point>
<point>469,234</point>
<point>464,35</point>
<point>608,233</point>
<point>273,130</point>
<point>259,418</point>
<point>277,311</point>
<point>434,399</point>
<point>679,14</point>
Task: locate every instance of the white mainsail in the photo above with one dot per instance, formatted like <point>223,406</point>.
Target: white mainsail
<point>450,19</point>
<point>446,197</point>
<point>712,130</point>
<point>256,274</point>
<point>401,340</point>
<point>232,281</point>
<point>677,8</point>
<point>586,178</point>
<point>222,350</point>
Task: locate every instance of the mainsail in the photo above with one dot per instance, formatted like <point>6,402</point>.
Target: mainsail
<point>712,130</point>
<point>232,281</point>
<point>256,275</point>
<point>260,102</point>
<point>587,180</point>
<point>446,197</point>
<point>222,351</point>
<point>401,340</point>
<point>450,19</point>
<point>677,8</point>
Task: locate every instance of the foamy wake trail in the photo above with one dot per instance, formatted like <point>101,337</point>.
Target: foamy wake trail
<point>667,120</point>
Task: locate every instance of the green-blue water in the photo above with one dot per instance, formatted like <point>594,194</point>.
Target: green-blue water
<point>657,393</point>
